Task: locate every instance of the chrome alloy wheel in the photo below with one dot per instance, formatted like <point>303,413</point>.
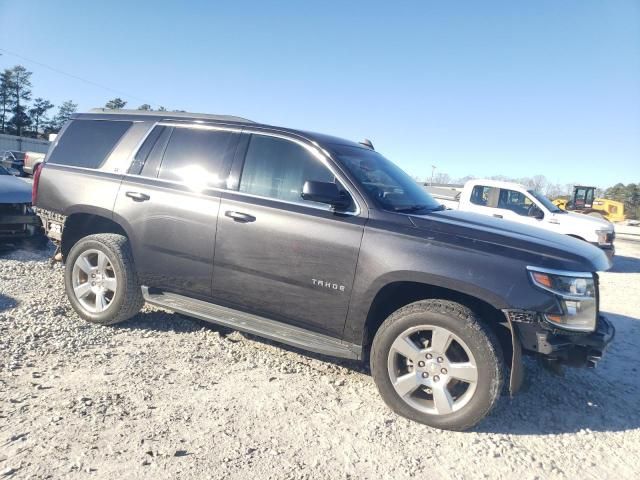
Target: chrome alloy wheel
<point>432,369</point>
<point>94,281</point>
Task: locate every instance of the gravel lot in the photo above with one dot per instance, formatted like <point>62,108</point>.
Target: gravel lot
<point>164,396</point>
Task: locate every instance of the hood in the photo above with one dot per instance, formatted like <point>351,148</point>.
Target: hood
<point>532,245</point>
<point>14,190</point>
<point>587,220</point>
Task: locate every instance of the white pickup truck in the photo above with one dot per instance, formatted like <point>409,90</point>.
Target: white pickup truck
<point>515,202</point>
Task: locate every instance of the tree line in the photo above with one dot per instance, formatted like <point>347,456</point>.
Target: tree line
<point>627,194</point>
<point>25,116</point>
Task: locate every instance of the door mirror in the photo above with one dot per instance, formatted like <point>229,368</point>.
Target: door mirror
<point>325,192</point>
<point>536,212</point>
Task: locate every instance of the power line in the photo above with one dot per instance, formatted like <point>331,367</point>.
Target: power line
<point>90,82</point>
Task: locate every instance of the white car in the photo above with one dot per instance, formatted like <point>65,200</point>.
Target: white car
<point>512,201</point>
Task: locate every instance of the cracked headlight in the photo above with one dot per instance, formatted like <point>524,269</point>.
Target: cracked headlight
<point>576,292</point>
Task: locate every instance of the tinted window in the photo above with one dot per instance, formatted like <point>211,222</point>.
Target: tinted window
<point>86,143</point>
<point>145,150</point>
<point>200,158</point>
<point>278,168</point>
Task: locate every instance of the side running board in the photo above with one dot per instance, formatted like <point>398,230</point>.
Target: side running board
<point>254,324</point>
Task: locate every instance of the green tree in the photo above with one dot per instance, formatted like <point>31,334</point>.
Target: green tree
<point>20,95</point>
<point>6,89</point>
<point>162,109</point>
<point>146,107</point>
<point>627,194</point>
<point>65,111</point>
<point>38,113</point>
<point>115,104</point>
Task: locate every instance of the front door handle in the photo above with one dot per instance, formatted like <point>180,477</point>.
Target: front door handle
<point>240,217</point>
<point>497,216</point>
<point>137,196</point>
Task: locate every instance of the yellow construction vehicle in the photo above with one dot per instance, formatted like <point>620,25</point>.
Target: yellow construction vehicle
<point>583,201</point>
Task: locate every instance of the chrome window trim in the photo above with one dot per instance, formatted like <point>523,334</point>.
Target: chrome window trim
<point>318,152</point>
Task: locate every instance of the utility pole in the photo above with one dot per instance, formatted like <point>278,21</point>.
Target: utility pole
<point>433,169</point>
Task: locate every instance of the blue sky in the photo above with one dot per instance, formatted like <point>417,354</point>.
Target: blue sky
<point>482,88</point>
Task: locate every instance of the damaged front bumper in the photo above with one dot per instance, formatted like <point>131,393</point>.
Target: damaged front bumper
<point>560,346</point>
<point>17,222</point>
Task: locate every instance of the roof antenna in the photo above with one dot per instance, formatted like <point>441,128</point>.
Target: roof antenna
<point>367,143</point>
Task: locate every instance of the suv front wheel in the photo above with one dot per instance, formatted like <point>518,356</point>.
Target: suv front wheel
<point>434,362</point>
<point>100,279</point>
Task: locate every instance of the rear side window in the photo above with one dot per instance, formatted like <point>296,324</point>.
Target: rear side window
<point>86,143</point>
<point>145,150</point>
<point>200,158</point>
<point>277,168</point>
<point>484,196</point>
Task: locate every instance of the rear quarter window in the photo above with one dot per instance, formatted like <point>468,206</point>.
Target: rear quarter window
<point>86,143</point>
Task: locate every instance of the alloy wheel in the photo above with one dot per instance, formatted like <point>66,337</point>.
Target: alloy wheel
<point>94,281</point>
<point>432,369</point>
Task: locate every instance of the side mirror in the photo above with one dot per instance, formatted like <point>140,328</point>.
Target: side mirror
<point>325,192</point>
<point>536,213</point>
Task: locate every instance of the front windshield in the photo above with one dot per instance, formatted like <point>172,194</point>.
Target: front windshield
<point>546,202</point>
<point>392,188</point>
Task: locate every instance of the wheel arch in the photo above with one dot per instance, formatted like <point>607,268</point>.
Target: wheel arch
<point>80,224</point>
<point>576,236</point>
<point>397,293</point>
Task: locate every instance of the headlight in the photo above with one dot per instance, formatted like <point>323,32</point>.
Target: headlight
<point>576,292</point>
<point>604,237</point>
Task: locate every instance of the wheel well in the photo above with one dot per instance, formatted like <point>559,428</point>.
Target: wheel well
<point>398,294</point>
<point>80,225</point>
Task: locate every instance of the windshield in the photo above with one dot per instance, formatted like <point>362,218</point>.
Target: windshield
<point>392,188</point>
<point>546,202</point>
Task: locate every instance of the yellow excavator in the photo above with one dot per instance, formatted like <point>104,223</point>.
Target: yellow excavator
<point>583,201</point>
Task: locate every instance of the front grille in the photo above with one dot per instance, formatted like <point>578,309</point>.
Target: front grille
<point>522,316</point>
<point>11,208</point>
<point>12,227</point>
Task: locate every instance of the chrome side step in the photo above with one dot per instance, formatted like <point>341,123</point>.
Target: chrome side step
<point>254,324</point>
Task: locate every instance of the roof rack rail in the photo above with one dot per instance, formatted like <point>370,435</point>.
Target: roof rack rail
<point>166,114</point>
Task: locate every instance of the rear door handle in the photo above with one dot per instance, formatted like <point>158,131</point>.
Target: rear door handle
<point>137,196</point>
<point>497,216</point>
<point>240,217</point>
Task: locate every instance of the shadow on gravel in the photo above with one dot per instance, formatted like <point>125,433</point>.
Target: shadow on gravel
<point>7,302</point>
<point>622,264</point>
<point>604,399</point>
<point>174,322</point>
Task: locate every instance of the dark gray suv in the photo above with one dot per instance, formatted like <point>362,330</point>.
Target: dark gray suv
<point>316,242</point>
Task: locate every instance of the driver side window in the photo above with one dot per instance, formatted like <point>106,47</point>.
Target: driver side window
<point>277,168</point>
<point>517,202</point>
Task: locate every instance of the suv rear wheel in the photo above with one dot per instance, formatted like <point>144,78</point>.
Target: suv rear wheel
<point>100,279</point>
<point>434,362</point>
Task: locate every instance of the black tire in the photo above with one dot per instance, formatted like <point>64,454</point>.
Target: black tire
<point>127,300</point>
<point>463,323</point>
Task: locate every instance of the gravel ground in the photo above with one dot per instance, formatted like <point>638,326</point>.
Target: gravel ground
<point>163,396</point>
